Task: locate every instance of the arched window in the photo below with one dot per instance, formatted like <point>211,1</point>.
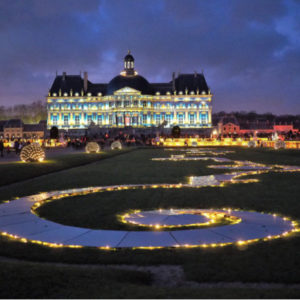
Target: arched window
<point>128,65</point>
<point>125,65</point>
<point>132,64</point>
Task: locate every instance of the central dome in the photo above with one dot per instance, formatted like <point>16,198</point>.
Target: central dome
<point>129,78</point>
<point>136,82</point>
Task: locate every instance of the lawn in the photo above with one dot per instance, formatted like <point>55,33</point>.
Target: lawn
<point>17,171</point>
<point>33,281</point>
<point>276,261</point>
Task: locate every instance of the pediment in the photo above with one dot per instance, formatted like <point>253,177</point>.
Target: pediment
<point>127,90</point>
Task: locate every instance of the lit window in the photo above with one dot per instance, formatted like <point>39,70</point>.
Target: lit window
<point>144,118</point>
<point>110,119</point>
<point>144,104</point>
<point>66,120</point>
<point>192,119</point>
<point>89,119</point>
<point>77,120</point>
<point>135,103</point>
<point>168,118</point>
<point>204,119</point>
<point>54,120</point>
<point>180,119</point>
<point>126,103</point>
<point>99,120</point>
<point>157,119</point>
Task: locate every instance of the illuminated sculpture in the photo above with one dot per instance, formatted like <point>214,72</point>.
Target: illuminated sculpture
<point>280,144</point>
<point>92,147</point>
<point>116,145</point>
<point>251,144</point>
<point>32,152</point>
<point>194,144</point>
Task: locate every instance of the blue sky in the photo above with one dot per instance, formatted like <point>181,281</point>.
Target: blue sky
<point>249,49</point>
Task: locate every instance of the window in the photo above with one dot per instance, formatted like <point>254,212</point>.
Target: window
<point>54,120</point>
<point>234,128</point>
<point>168,118</point>
<point>135,103</point>
<point>66,120</point>
<point>89,119</point>
<point>99,120</point>
<point>110,119</point>
<point>224,128</point>
<point>157,119</point>
<point>144,118</point>
<point>126,103</point>
<point>168,105</point>
<point>180,105</point>
<point>192,119</point>
<point>132,64</point>
<point>157,105</point>
<point>180,119</point>
<point>144,104</point>
<point>77,120</point>
<point>203,118</point>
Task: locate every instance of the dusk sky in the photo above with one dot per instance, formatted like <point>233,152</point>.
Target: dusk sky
<point>249,49</point>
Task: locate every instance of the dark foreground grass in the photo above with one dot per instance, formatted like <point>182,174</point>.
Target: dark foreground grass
<point>32,281</point>
<point>272,261</point>
<point>17,171</point>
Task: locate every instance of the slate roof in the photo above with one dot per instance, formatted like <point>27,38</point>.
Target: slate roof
<point>256,125</point>
<point>282,120</point>
<point>191,82</point>
<point>14,123</point>
<point>232,119</point>
<point>33,127</point>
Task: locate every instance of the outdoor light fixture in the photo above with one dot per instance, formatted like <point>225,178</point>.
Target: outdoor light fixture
<point>32,152</point>
<point>280,145</point>
<point>92,147</point>
<point>251,144</point>
<point>116,145</point>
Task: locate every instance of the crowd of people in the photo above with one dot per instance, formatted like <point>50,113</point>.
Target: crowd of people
<point>15,146</point>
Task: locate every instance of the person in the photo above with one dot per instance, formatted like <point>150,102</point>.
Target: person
<point>1,147</point>
<point>16,146</point>
<point>8,149</point>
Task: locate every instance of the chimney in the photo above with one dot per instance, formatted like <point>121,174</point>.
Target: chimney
<point>173,76</point>
<point>64,76</point>
<point>85,81</point>
<point>195,73</point>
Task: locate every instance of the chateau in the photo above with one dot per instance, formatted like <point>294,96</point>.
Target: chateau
<point>129,99</point>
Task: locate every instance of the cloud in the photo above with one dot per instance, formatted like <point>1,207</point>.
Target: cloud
<point>249,49</point>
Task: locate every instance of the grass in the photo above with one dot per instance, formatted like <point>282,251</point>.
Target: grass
<point>275,261</point>
<point>17,171</point>
<point>32,281</point>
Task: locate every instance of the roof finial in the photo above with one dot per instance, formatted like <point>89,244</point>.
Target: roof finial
<point>128,51</point>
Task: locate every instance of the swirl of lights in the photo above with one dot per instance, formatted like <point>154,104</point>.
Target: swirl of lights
<point>116,145</point>
<point>92,147</point>
<point>251,144</point>
<point>32,153</point>
<point>21,223</point>
<point>280,145</point>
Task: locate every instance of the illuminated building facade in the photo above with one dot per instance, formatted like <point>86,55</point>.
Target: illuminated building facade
<point>129,99</point>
